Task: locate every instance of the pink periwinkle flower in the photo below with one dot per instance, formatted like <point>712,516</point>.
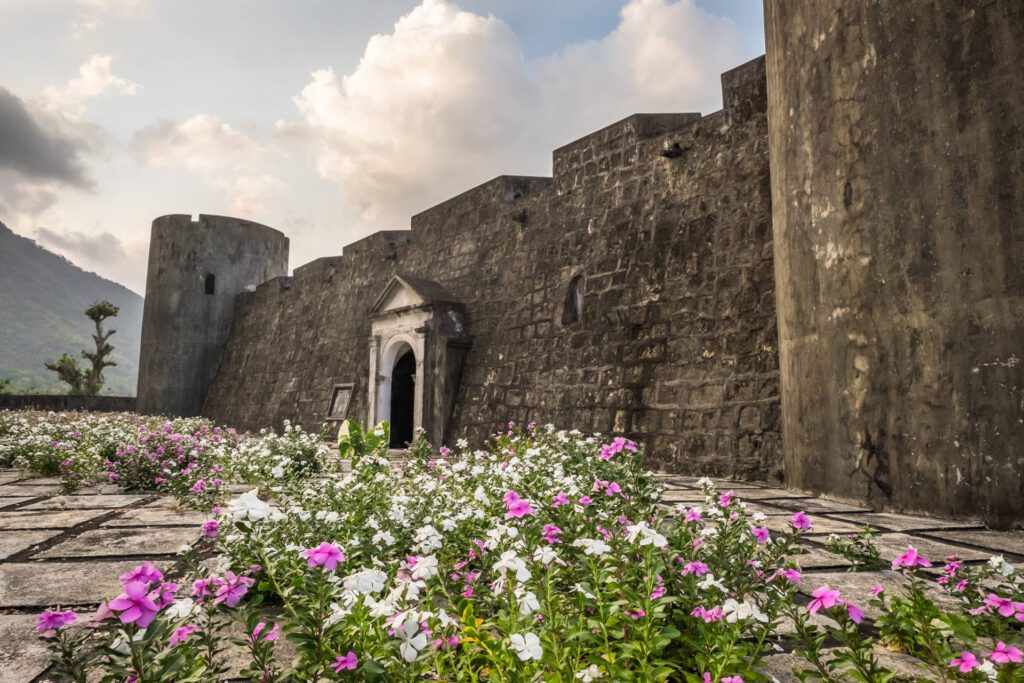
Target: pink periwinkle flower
<point>198,486</point>
<point>824,598</point>
<point>910,559</point>
<point>612,489</point>
<point>165,593</point>
<point>585,501</point>
<point>792,575</point>
<point>800,521</point>
<point>559,499</point>
<point>231,589</point>
<point>201,589</point>
<point>966,662</point>
<point>551,533</point>
<point>732,679</point>
<point>619,444</point>
<point>181,634</point>
<point>510,497</point>
<point>637,613</point>
<point>697,568</point>
<point>856,613</point>
<point>1005,606</point>
<point>761,534</point>
<point>876,589</point>
<point>519,508</point>
<point>1005,655</point>
<point>657,592</point>
<point>135,605</point>
<point>725,499</point>
<point>271,635</point>
<point>693,515</point>
<point>348,662</point>
<point>326,555</point>
<point>708,615</point>
<point>49,622</point>
<point>210,528</point>
<point>145,572</point>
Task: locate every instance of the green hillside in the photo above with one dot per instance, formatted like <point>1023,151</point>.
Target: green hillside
<point>42,299</point>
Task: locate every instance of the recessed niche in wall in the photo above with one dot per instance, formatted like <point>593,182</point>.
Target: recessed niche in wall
<point>572,309</point>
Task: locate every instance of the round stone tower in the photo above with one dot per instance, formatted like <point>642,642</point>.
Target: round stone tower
<point>897,173</point>
<point>196,268</point>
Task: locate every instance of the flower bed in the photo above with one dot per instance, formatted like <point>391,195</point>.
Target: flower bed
<point>543,557</point>
<point>189,458</point>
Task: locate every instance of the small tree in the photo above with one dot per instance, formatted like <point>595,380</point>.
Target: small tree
<point>89,381</point>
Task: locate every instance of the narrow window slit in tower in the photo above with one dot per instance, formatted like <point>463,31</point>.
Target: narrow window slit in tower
<point>211,284</point>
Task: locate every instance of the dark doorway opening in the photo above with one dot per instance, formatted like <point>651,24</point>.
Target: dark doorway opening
<point>403,399</point>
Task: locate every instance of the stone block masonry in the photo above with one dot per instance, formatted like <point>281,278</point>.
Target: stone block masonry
<point>897,155</point>
<point>658,225</point>
<point>196,269</point>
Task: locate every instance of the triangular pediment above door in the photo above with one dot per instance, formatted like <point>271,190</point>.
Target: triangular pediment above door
<point>407,291</point>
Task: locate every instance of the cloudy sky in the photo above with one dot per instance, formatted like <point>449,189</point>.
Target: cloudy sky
<point>327,119</point>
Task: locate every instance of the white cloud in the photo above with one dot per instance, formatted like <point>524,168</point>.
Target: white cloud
<point>248,193</point>
<point>101,251</point>
<point>216,152</point>
<point>200,143</point>
<point>95,11</point>
<point>94,78</point>
<point>446,101</point>
<point>664,56</point>
<point>23,201</point>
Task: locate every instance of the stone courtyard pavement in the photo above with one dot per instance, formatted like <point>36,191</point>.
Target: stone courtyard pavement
<point>71,550</point>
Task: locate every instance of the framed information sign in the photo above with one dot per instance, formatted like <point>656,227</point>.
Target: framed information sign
<point>341,399</point>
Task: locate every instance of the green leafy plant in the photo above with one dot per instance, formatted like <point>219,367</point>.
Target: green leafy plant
<point>89,381</point>
<point>858,548</point>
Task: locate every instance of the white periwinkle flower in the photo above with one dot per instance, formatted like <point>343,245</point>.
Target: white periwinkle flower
<point>249,506</point>
<point>591,673</point>
<point>426,567</point>
<point>528,603</point>
<point>739,611</point>
<point>592,546</point>
<point>181,609</point>
<point>366,581</point>
<point>510,561</point>
<point>527,646</point>
<point>412,642</point>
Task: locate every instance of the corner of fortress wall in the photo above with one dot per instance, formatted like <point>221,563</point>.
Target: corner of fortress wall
<point>678,313</point>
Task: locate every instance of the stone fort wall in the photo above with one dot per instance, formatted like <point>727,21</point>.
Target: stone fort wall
<point>676,346</point>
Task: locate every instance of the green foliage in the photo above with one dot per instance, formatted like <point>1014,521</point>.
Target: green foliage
<point>40,317</point>
<point>355,442</point>
<point>859,549</point>
<point>89,381</point>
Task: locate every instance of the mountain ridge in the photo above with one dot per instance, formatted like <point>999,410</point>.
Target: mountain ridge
<point>42,316</point>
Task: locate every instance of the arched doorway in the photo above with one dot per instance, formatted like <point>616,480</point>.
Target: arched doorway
<point>403,399</point>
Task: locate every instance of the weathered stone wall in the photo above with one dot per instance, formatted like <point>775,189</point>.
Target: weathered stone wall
<point>897,155</point>
<point>64,402</point>
<point>676,344</point>
<point>184,328</point>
